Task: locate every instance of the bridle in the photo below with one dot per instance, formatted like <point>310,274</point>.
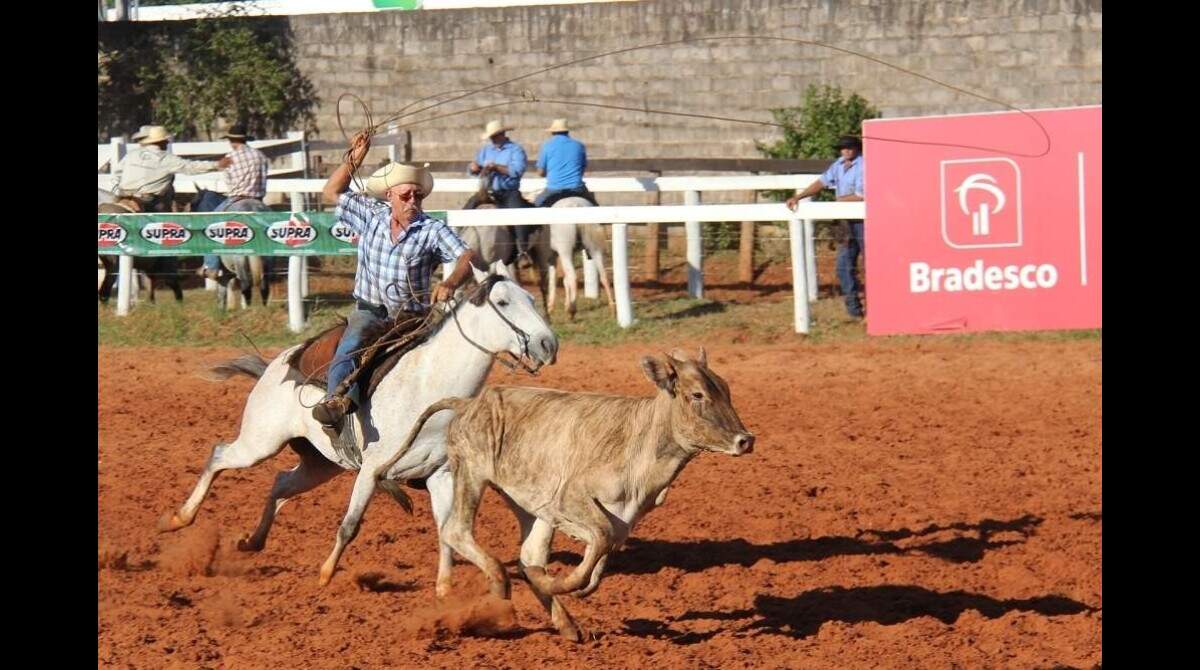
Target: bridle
<point>516,361</point>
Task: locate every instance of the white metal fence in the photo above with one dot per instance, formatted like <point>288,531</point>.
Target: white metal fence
<point>692,214</point>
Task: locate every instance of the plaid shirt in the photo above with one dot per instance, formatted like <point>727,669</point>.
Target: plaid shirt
<point>395,275</point>
<point>247,173</point>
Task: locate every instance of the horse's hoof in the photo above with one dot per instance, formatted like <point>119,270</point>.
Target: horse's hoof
<point>170,523</point>
<point>326,575</point>
<point>245,544</point>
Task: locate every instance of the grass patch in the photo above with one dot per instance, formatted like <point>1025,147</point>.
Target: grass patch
<point>198,322</point>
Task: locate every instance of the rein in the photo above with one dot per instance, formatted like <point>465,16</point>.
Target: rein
<point>522,336</point>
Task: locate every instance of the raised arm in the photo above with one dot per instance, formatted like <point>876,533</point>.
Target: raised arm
<point>339,182</point>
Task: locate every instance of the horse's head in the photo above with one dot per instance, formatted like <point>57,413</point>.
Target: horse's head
<point>500,316</point>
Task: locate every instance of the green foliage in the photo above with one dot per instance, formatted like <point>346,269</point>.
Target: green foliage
<point>198,80</point>
<point>811,130</point>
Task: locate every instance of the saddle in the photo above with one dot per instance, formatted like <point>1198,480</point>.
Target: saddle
<point>379,356</point>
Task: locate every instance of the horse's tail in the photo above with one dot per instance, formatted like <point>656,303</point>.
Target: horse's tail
<point>454,404</point>
<point>250,365</point>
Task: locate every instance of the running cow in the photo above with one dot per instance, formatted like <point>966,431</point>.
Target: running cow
<point>589,465</point>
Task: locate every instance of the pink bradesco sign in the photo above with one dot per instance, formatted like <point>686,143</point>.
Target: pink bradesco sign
<point>983,239</point>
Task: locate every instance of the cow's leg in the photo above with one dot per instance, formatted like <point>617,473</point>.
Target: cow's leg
<point>312,471</point>
<point>360,497</point>
<point>536,539</point>
<point>586,514</point>
<point>597,573</point>
<point>459,531</point>
<point>441,499</point>
<point>252,446</point>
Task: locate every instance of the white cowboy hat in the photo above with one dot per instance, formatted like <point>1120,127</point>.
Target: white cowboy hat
<point>494,127</point>
<point>394,174</point>
<point>140,133</point>
<point>559,126</point>
<point>154,135</point>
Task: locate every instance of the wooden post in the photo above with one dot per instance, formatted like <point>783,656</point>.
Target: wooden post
<point>591,278</point>
<point>746,246</point>
<point>810,258</point>
<point>653,230</point>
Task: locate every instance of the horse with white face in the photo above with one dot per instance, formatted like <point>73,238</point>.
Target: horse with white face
<point>453,361</point>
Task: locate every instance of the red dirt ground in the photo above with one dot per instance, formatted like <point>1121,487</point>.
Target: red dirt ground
<point>929,503</point>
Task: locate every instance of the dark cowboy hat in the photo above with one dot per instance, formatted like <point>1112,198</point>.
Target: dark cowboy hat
<point>849,142</point>
<point>236,132</point>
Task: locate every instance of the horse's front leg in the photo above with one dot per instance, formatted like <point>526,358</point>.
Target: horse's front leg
<point>364,488</point>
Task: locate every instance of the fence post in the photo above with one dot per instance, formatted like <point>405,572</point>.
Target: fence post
<point>300,161</point>
<point>124,284</point>
<point>295,299</point>
<point>620,262</point>
<point>695,260</point>
<point>799,276</point>
<point>118,152</point>
<point>810,258</point>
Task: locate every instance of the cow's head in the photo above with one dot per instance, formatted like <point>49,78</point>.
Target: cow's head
<point>702,414</point>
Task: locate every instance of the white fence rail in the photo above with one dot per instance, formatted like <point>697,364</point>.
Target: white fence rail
<point>802,258</point>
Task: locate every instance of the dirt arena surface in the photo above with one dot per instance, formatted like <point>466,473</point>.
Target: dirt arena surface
<point>924,503</point>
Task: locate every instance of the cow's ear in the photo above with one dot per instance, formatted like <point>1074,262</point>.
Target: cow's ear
<point>661,372</point>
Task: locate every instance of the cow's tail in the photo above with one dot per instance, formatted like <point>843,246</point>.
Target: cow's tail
<point>250,365</point>
<point>453,404</point>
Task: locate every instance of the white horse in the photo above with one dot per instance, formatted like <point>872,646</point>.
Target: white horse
<point>454,361</point>
<point>563,240</point>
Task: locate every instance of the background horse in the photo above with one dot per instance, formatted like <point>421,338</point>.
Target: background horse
<point>564,240</point>
<point>165,268</point>
<point>247,270</point>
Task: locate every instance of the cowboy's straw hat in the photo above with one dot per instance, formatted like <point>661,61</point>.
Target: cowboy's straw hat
<point>394,174</point>
<point>559,126</point>
<point>154,135</point>
<point>140,133</point>
<point>494,126</point>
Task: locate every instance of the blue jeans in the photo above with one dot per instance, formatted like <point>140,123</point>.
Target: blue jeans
<point>847,260</point>
<point>352,340</point>
<point>213,261</point>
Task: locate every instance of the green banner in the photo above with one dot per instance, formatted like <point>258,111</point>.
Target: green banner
<point>248,233</point>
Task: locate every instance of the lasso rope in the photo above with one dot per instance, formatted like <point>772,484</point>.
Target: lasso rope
<point>527,97</point>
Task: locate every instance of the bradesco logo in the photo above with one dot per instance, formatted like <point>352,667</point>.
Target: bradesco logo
<point>981,209</point>
<point>165,233</point>
<point>981,203</point>
<point>229,233</point>
<point>295,232</point>
<point>344,233</point>
<point>110,234</point>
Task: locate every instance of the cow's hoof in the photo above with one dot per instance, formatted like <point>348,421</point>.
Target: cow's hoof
<point>170,523</point>
<point>569,631</point>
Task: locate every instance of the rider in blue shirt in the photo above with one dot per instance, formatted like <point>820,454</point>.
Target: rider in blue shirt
<point>562,161</point>
<point>504,160</point>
